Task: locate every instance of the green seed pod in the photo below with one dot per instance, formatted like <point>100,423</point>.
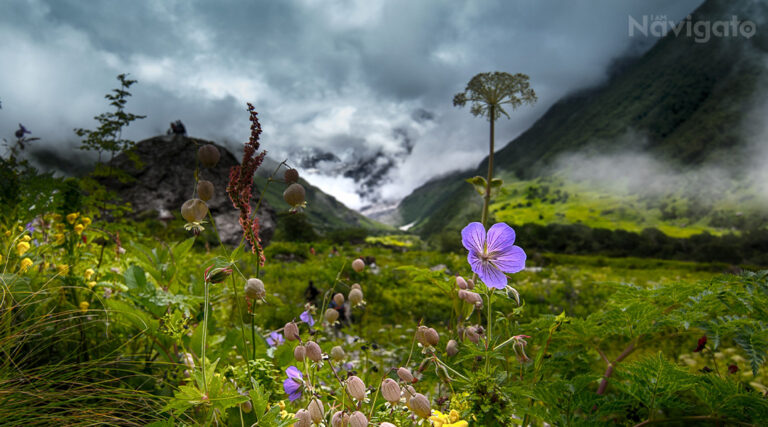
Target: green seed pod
<point>246,406</point>
<point>254,289</point>
<point>356,387</point>
<point>390,390</point>
<point>291,176</point>
<point>194,210</point>
<point>205,190</point>
<point>314,353</point>
<point>294,195</point>
<point>208,155</point>
<point>358,265</point>
<point>420,406</point>
<point>331,315</point>
<point>291,331</point>
<point>338,354</point>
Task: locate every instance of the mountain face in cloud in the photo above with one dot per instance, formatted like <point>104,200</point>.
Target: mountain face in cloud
<point>368,81</point>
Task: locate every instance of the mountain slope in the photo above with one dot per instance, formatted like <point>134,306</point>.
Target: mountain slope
<point>682,101</point>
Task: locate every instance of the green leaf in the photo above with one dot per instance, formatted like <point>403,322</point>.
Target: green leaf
<point>136,279</point>
<point>479,183</point>
<point>755,344</point>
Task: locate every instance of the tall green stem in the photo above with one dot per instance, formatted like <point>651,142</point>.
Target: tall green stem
<point>205,336</point>
<point>487,197</point>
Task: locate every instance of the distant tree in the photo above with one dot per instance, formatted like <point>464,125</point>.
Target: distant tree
<point>489,94</point>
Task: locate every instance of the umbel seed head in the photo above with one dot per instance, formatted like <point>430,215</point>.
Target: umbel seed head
<point>331,315</point>
<point>358,265</point>
<point>294,195</point>
<point>254,289</point>
<point>356,387</point>
<point>314,353</point>
<point>194,210</point>
<point>291,176</point>
<point>390,390</point>
<point>291,331</point>
<point>208,155</point>
<point>205,190</point>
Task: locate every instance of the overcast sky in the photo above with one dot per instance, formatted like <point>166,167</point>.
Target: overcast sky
<point>349,77</point>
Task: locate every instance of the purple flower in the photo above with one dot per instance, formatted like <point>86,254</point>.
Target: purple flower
<point>492,254</point>
<point>21,131</point>
<point>293,384</point>
<point>307,318</point>
<point>275,339</point>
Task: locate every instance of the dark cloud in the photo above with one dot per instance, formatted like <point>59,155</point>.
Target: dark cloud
<point>369,81</point>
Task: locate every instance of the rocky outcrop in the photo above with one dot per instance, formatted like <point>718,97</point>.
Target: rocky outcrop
<point>165,180</point>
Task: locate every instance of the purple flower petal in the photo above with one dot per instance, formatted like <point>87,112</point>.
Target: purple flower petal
<point>294,372</point>
<point>489,274</point>
<point>500,238</point>
<point>307,318</point>
<point>473,237</point>
<point>511,260</point>
<point>294,396</point>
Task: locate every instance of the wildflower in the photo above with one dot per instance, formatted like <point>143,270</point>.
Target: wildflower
<point>338,354</point>
<point>291,331</point>
<point>22,248</point>
<point>340,419</point>
<point>701,344</point>
<point>358,265</point>
<point>254,289</point>
<point>25,238</point>
<point>79,228</point>
<point>331,315</point>
<point>62,269</point>
<point>58,238</point>
<point>1,257</point>
<point>91,284</point>
<point>492,254</point>
<point>356,387</point>
<point>21,131</point>
<point>275,339</point>
<point>299,353</point>
<point>732,369</point>
<point>314,353</point>
<point>293,384</point>
<point>355,296</point>
<point>390,390</point>
<point>72,217</point>
<point>241,181</point>
<point>25,264</point>
<point>447,420</point>
<point>89,273</point>
<point>316,411</point>
<point>358,419</point>
<point>420,406</point>
<point>405,374</point>
<point>217,275</point>
<point>519,347</point>
<point>306,317</point>
<point>86,221</point>
<point>84,306</point>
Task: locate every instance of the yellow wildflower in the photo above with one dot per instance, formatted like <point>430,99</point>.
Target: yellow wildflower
<point>58,238</point>
<point>91,284</point>
<point>56,217</point>
<point>62,268</point>
<point>89,273</point>
<point>25,264</point>
<point>25,238</point>
<point>20,229</point>
<point>447,420</point>
<point>79,228</point>
<point>1,257</point>
<point>8,233</point>
<point>84,306</point>
<point>22,247</point>
<point>86,221</point>
<point>72,217</point>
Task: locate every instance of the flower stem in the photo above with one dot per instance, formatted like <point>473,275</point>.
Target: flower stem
<point>490,333</point>
<point>205,336</point>
<point>487,197</point>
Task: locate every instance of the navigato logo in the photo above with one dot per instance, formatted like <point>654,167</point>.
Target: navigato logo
<point>701,31</point>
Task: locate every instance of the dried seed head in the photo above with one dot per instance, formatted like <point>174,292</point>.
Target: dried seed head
<point>431,337</point>
<point>421,335</point>
<point>303,418</point>
<point>390,390</point>
<point>291,331</point>
<point>355,296</point>
<point>316,411</point>
<point>254,289</point>
<point>358,265</point>
<point>461,283</point>
<point>338,354</point>
<point>194,210</point>
<point>420,406</point>
<point>340,419</point>
<point>246,406</point>
<point>294,195</point>
<point>356,387</point>
<point>471,334</point>
<point>452,348</point>
<point>338,299</point>
<point>331,315</point>
<point>314,353</point>
<point>205,190</point>
<point>358,419</point>
<point>405,375</point>
<point>356,286</point>
<point>299,353</point>
<point>208,155</point>
<point>291,176</point>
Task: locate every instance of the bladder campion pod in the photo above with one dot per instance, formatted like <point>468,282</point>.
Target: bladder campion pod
<point>421,335</point>
<point>208,155</point>
<point>338,299</point>
<point>254,289</point>
<point>331,315</point>
<point>291,331</point>
<point>471,334</point>
<point>205,190</point>
<point>356,387</point>
<point>461,283</point>
<point>390,390</point>
<point>303,418</point>
<point>194,210</point>
<point>356,286</point>
<point>470,284</point>
<point>299,353</point>
<point>314,353</point>
<point>358,265</point>
<point>452,348</point>
<point>337,353</point>
<point>294,195</point>
<point>316,411</point>
<point>405,375</point>
<point>409,392</point>
<point>420,406</point>
<point>358,419</point>
<point>386,424</point>
<point>431,337</point>
<point>355,296</point>
<point>340,419</point>
<point>291,176</point>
